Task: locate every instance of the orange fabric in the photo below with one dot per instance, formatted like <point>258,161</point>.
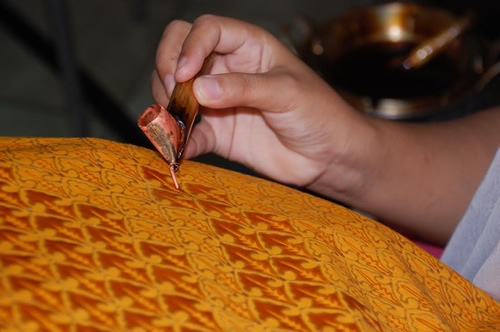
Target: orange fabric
<point>94,237</point>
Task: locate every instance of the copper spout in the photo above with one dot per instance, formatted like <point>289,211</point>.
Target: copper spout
<point>168,129</point>
<point>162,129</point>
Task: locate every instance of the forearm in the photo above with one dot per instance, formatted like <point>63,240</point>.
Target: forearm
<point>417,176</point>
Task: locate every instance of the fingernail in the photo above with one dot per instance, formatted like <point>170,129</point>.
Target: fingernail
<point>208,88</point>
<point>180,64</point>
<point>169,83</point>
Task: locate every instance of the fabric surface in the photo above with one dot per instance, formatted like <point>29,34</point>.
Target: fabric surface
<point>94,237</point>
<point>474,248</point>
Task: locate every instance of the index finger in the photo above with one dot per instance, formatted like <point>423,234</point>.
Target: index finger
<point>169,48</point>
<point>217,34</point>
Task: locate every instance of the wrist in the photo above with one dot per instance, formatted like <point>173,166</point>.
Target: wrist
<point>352,163</point>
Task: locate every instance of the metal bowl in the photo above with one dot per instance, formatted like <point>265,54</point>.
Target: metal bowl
<point>353,52</point>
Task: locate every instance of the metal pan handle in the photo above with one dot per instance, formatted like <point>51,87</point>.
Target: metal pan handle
<point>493,70</point>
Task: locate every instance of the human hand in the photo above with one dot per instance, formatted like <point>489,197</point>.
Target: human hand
<point>266,109</point>
<point>263,107</point>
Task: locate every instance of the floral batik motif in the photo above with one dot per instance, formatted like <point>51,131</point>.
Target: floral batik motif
<point>94,237</point>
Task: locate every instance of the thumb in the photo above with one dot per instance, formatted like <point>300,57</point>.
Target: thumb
<point>263,91</point>
<point>202,140</point>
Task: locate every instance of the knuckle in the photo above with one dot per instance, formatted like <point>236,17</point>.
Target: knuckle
<point>243,87</point>
<point>247,83</point>
<point>172,25</point>
<point>288,86</point>
<point>291,82</point>
<point>294,85</point>
<point>206,19</point>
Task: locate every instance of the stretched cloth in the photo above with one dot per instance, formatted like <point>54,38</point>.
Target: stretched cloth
<point>94,237</point>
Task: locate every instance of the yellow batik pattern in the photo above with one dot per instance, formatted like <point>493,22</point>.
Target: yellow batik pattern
<point>94,237</point>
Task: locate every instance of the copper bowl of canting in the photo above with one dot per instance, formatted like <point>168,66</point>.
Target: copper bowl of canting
<point>353,52</point>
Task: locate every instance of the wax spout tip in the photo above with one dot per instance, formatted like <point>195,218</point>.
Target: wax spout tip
<point>172,173</point>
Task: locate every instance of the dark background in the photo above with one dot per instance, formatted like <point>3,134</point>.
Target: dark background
<point>112,44</point>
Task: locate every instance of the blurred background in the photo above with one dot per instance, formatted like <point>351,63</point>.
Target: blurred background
<point>110,45</point>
